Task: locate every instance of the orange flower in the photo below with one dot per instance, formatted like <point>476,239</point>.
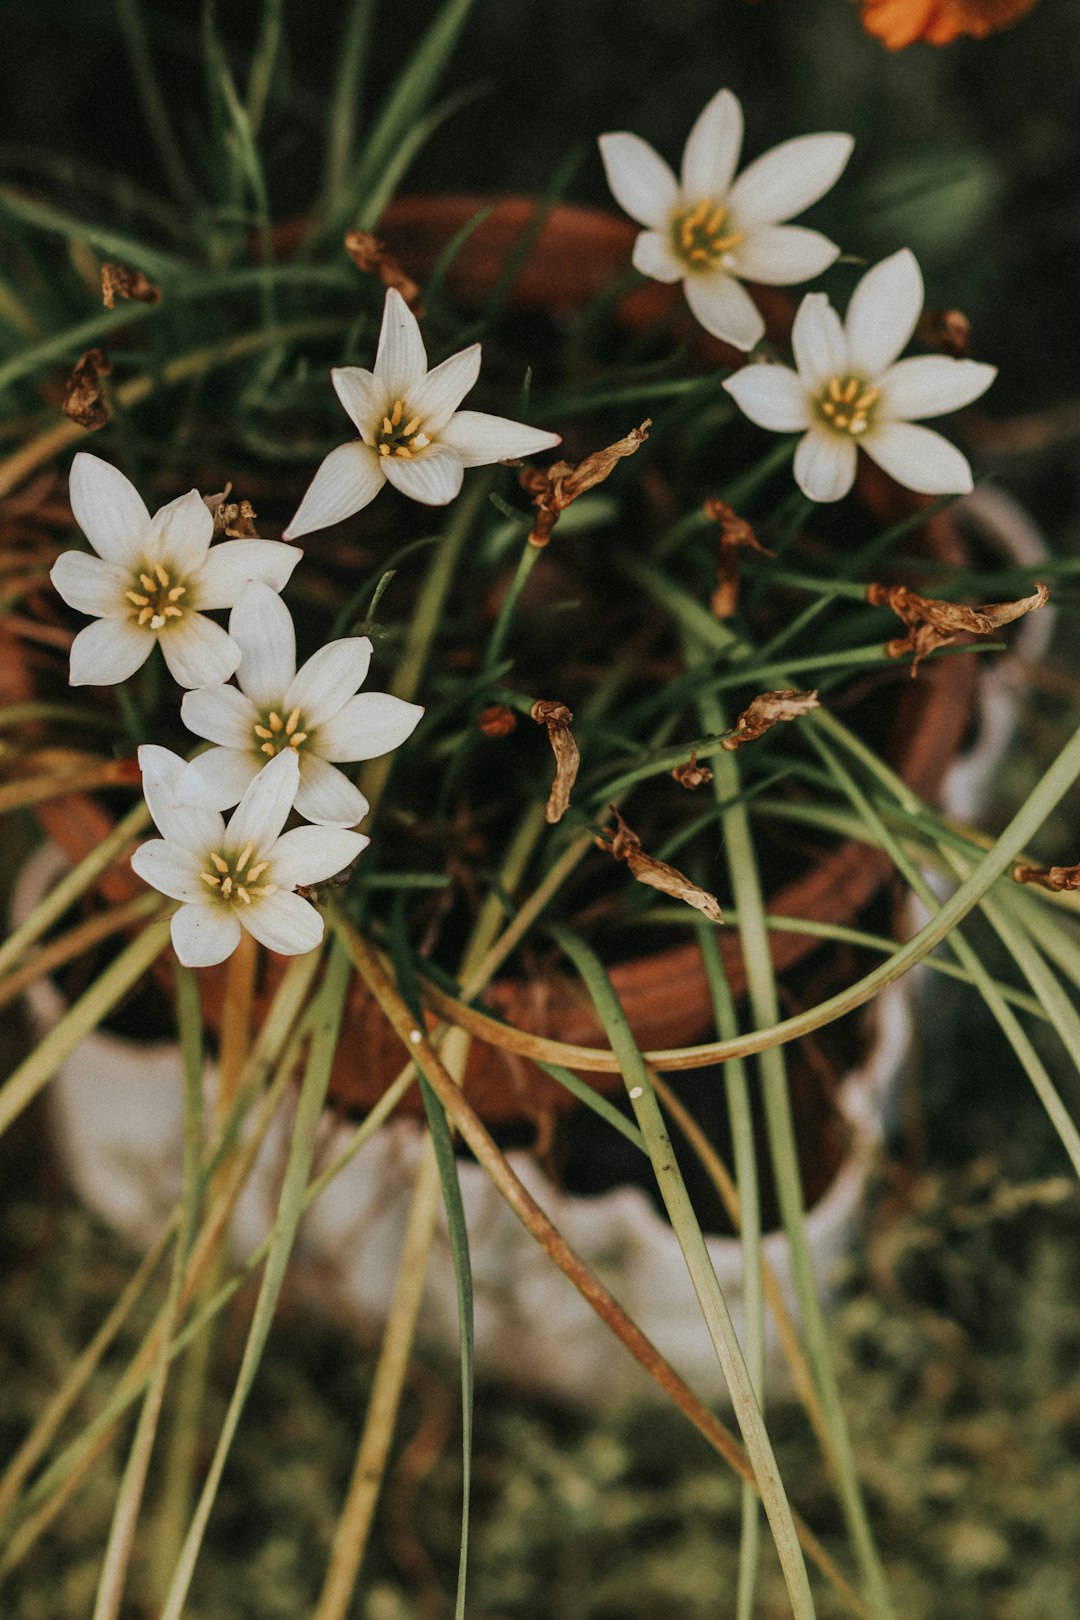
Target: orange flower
<point>901,22</point>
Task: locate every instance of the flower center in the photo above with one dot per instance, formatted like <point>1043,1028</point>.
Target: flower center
<point>398,437</point>
<point>236,877</point>
<point>699,237</point>
<point>276,732</point>
<point>156,597</point>
<point>846,404</point>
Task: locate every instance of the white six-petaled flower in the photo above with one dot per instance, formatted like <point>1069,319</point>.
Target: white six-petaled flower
<point>311,713</point>
<point>412,434</point>
<point>849,390</point>
<point>241,875</point>
<point>710,233</point>
<point>153,579</point>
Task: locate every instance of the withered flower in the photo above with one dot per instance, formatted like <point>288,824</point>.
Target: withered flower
<point>234,519</point>
<point>373,257</point>
<point>1060,879</point>
<point>84,391</point>
<point>557,717</point>
<point>768,710</point>
<point>626,846</point>
<point>946,330</point>
<point>497,720</point>
<point>932,624</point>
<point>735,533</point>
<point>938,22</point>
<point>119,282</point>
<point>554,488</point>
<point>692,775</point>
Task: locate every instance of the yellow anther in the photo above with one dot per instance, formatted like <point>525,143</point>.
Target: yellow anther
<point>219,864</point>
<point>841,421</point>
<point>261,731</point>
<point>163,578</point>
<point>274,720</point>
<point>853,386</point>
<point>264,888</point>
<point>836,388</point>
<point>244,855</point>
<point>384,449</point>
<point>871,397</point>
<point>139,601</point>
<point>226,886</point>
<point>147,613</point>
<point>208,877</point>
<point>177,592</point>
<point>147,582</point>
<point>406,455</point>
<point>292,722</point>
<point>297,738</point>
<point>268,748</point>
<point>716,219</point>
<point>387,426</point>
<point>398,413</point>
<point>242,894</point>
<point>174,613</point>
<point>256,871</point>
<point>411,427</point>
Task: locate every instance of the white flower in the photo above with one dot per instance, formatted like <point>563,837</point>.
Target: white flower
<point>412,434</point>
<point>240,875</point>
<point>153,579</point>
<point>310,713</point>
<point>850,390</point>
<point>709,233</point>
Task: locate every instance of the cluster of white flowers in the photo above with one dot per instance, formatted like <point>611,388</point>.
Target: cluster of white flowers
<point>850,388</point>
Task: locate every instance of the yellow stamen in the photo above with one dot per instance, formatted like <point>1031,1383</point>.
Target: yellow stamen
<point>208,877</point>
<point>292,722</point>
<point>244,856</point>
<point>242,894</point>
<point>411,427</point>
<point>226,886</point>
<point>256,871</point>
<point>139,601</point>
<point>219,864</point>
<point>836,388</point>
<point>163,578</point>
<point>298,738</point>
<point>399,412</point>
<point>384,449</point>
<point>275,720</point>
<point>177,592</point>
<point>264,888</point>
<point>387,425</point>
<point>268,748</point>
<point>406,455</point>
<point>174,613</point>
<point>147,582</point>
<point>147,613</point>
<point>261,731</point>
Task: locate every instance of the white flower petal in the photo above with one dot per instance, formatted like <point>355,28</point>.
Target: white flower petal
<point>825,464</point>
<point>90,584</point>
<point>401,360</point>
<point>931,385</point>
<point>788,179</point>
<point>219,778</point>
<point>363,396</point>
<point>329,679</point>
<point>236,563</point>
<point>172,869</point>
<point>777,255</point>
<point>262,627</point>
<point>326,796</point>
<point>180,534</point>
<point>818,342</point>
<point>198,651</point>
<point>919,458</point>
<point>433,477</point>
<point>712,149</point>
<point>478,439</point>
<point>221,714</point>
<point>772,396</point>
<point>108,651</point>
<point>204,935</point>
<point>313,854</point>
<point>108,509</point>
<point>368,725</point>
<point>192,827</point>
<point>283,923</point>
<point>883,313</point>
<point>641,182</point>
<point>654,256</point>
<point>347,480</point>
<point>435,399</point>
<point>264,809</point>
<point>724,308</point>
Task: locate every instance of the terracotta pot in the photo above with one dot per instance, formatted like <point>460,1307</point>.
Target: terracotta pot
<point>578,253</point>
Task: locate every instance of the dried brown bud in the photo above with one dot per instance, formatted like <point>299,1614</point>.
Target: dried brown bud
<point>626,846</point>
<point>496,721</point>
<point>119,282</point>
<point>554,488</point>
<point>931,624</point>
<point>1057,878</point>
<point>768,710</point>
<point>235,519</point>
<point>557,717</point>
<point>947,330</point>
<point>371,256</point>
<point>84,391</point>
<point>735,533</point>
<point>692,775</point>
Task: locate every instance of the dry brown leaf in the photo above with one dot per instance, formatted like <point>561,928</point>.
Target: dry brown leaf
<point>557,717</point>
<point>371,256</point>
<point>626,846</point>
<point>946,330</point>
<point>554,488</point>
<point>496,720</point>
<point>84,391</point>
<point>119,282</point>
<point>768,710</point>
<point>1057,878</point>
<point>735,534</point>
<point>692,775</point>
<point>932,624</point>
